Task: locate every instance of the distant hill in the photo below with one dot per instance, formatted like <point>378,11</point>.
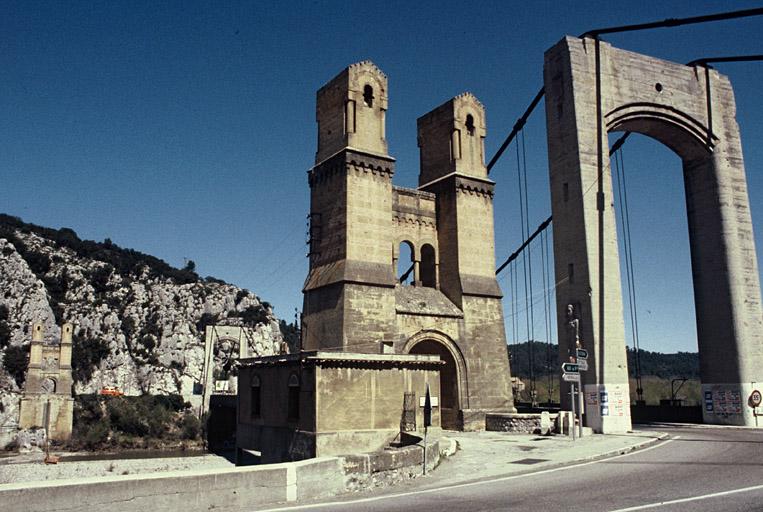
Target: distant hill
<point>681,364</point>
<point>138,322</point>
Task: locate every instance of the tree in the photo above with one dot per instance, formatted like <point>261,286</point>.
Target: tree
<point>5,330</point>
<point>16,361</point>
<point>190,266</point>
<point>87,354</point>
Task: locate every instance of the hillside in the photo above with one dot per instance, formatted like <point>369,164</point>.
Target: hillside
<point>139,323</point>
<point>681,364</point>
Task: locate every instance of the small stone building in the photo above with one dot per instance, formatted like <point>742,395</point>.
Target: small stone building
<point>47,399</point>
<point>316,404</point>
<point>353,298</point>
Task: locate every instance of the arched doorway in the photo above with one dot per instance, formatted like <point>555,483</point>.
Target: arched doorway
<point>449,380</point>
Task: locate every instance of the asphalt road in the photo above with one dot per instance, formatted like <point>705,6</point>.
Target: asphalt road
<point>696,469</point>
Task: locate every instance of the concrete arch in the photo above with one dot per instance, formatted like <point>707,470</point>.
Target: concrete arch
<point>593,89</point>
<point>688,137</point>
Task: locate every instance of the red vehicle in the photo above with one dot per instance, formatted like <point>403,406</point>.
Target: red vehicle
<point>111,391</point>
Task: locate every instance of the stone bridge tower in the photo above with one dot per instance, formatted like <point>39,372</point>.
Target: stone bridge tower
<point>47,400</point>
<point>353,301</point>
<point>349,292</point>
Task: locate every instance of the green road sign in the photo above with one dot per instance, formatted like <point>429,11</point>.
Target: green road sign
<point>570,368</point>
<point>582,353</point>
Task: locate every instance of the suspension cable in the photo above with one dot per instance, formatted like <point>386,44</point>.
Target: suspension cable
<point>522,199</point>
<point>676,22</point>
<point>549,273</point>
<point>543,239</point>
<point>629,274</point>
<point>736,58</point>
<point>531,333</point>
<point>637,338</point>
<point>670,22</point>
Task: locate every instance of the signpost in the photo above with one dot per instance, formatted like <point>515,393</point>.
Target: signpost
<point>571,374</point>
<point>582,360</point>
<point>755,400</point>
<point>427,423</point>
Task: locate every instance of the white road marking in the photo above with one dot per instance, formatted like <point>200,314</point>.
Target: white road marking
<point>470,484</point>
<point>693,498</point>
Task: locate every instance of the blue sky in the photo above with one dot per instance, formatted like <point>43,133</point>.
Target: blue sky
<point>185,129</point>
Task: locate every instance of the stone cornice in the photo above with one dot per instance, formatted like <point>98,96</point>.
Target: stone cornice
<point>472,186</point>
<point>421,221</point>
<point>351,160</point>
<point>463,184</point>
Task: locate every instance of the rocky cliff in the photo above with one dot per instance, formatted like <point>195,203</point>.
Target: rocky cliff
<point>138,322</point>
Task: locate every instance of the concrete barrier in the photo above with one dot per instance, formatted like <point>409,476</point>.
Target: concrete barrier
<point>534,423</point>
<point>231,489</point>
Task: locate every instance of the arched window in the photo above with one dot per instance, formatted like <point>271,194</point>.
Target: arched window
<point>470,124</point>
<point>405,273</point>
<point>294,389</point>
<point>48,386</point>
<point>256,398</point>
<point>428,266</point>
<point>368,95</point>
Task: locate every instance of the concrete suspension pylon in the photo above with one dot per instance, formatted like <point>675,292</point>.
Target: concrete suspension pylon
<point>593,89</point>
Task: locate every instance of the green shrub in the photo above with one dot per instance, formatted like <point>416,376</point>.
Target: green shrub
<point>94,435</point>
<point>253,315</point>
<point>205,320</point>
<point>38,262</point>
<point>126,417</point>
<point>190,426</point>
<point>172,403</point>
<point>5,330</point>
<point>90,427</point>
<point>16,361</point>
<point>87,354</point>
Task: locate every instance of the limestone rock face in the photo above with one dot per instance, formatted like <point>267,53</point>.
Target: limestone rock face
<point>150,316</point>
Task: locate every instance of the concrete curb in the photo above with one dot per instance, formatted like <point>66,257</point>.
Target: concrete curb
<point>700,426</point>
<point>599,456</point>
<point>659,436</point>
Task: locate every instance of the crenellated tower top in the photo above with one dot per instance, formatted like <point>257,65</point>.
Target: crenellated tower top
<point>351,110</point>
<point>451,139</point>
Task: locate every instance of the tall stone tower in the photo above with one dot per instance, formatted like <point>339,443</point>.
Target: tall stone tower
<point>47,400</point>
<point>353,301</point>
<point>349,291</point>
<point>451,142</point>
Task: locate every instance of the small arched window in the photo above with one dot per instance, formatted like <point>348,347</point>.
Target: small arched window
<point>368,95</point>
<point>405,263</point>
<point>470,124</point>
<point>428,266</point>
<point>48,386</point>
<point>293,405</point>
<point>256,398</point>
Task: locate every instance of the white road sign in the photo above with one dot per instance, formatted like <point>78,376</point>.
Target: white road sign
<point>571,377</point>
